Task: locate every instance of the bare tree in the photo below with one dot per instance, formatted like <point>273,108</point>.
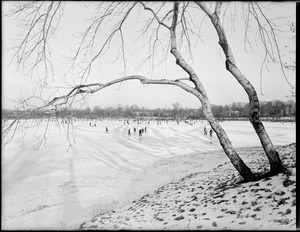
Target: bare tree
<point>278,108</point>
<point>231,66</point>
<point>174,20</point>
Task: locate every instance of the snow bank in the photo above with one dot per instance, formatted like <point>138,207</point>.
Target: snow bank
<point>214,200</point>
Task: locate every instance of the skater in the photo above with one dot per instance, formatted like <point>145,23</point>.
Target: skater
<point>205,131</point>
<point>210,132</point>
<point>145,129</point>
<point>106,129</point>
<point>129,133</point>
<point>134,130</point>
<point>140,132</point>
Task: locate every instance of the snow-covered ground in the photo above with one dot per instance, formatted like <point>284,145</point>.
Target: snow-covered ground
<point>213,199</point>
<point>74,176</point>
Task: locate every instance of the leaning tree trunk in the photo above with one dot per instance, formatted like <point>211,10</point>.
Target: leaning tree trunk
<point>274,160</point>
<point>200,93</point>
<point>254,117</point>
<point>237,162</point>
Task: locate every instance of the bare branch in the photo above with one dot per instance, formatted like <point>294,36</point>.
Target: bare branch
<point>218,8</point>
<point>179,59</point>
<point>98,86</point>
<point>204,8</point>
<point>183,79</point>
<point>93,29</point>
<point>95,87</point>
<point>40,20</point>
<point>247,28</point>
<point>275,41</point>
<point>155,15</point>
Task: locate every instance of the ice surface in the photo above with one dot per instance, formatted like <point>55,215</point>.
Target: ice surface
<point>58,186</point>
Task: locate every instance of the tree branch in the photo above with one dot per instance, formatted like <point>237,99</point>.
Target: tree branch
<point>40,20</point>
<point>179,59</point>
<point>204,8</point>
<point>98,86</point>
<point>155,15</point>
<point>273,38</point>
<point>218,8</point>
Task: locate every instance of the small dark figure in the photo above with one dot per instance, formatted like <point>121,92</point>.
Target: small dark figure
<point>210,132</point>
<point>129,133</point>
<point>140,132</point>
<point>90,124</point>
<point>145,129</point>
<point>205,131</point>
<point>106,129</point>
<point>134,130</point>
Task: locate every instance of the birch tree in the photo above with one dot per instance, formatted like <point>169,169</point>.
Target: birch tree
<point>231,66</point>
<point>173,19</point>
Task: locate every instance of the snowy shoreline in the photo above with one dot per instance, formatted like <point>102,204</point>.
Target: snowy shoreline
<point>213,198</point>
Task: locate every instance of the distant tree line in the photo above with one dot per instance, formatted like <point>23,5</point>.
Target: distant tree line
<point>274,109</point>
<point>237,110</point>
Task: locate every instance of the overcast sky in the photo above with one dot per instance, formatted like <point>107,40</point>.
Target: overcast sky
<point>208,61</point>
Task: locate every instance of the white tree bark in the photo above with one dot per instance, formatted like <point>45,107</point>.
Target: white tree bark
<point>237,162</point>
<point>254,114</point>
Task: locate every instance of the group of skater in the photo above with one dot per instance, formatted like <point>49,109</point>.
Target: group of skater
<point>144,130</point>
<point>210,131</point>
<point>93,124</point>
<point>141,131</point>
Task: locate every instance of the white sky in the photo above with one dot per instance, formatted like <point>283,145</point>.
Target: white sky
<point>208,61</point>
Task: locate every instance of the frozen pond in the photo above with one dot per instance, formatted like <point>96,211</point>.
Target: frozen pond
<point>59,186</point>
